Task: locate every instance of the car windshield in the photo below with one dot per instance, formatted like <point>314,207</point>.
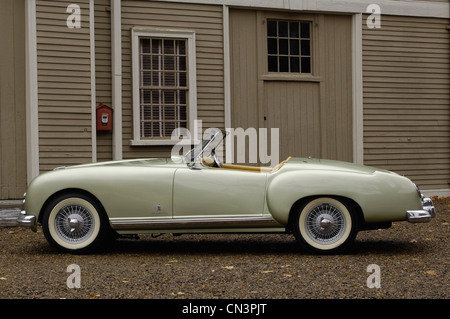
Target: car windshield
<point>211,139</point>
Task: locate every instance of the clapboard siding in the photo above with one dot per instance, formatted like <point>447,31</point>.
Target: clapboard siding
<point>406,89</point>
<point>206,21</point>
<point>13,166</point>
<point>64,86</point>
<point>103,71</point>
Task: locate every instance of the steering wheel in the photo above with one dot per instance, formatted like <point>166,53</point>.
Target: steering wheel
<point>216,159</point>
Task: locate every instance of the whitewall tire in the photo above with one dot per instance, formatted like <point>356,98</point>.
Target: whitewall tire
<point>325,225</point>
<point>75,223</point>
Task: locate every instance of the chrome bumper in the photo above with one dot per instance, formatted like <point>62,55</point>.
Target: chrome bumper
<point>25,220</point>
<point>423,215</point>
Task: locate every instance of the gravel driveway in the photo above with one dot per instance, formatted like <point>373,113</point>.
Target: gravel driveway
<point>412,261</point>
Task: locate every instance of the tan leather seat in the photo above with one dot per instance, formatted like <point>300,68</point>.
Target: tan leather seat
<point>209,162</point>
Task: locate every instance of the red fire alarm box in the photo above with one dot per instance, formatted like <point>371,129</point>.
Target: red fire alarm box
<point>104,118</point>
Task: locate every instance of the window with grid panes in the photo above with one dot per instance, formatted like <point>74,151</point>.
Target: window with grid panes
<point>163,86</point>
<point>289,46</point>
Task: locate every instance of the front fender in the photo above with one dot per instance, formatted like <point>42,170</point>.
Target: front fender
<point>123,191</point>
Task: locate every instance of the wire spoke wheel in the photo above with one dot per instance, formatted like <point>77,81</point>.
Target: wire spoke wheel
<point>75,223</point>
<point>324,225</point>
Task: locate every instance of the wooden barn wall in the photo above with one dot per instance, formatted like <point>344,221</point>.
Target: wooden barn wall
<point>64,86</point>
<point>406,95</point>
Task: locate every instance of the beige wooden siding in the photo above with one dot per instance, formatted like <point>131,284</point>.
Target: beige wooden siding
<point>406,86</point>
<point>13,167</point>
<point>103,75</point>
<point>206,21</point>
<point>314,117</point>
<point>64,86</point>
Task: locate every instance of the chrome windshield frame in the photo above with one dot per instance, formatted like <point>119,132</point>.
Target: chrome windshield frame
<point>194,155</point>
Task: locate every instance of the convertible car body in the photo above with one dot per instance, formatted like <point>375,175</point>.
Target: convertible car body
<point>323,203</point>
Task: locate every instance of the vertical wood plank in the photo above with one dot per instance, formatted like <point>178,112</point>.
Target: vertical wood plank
<point>7,103</point>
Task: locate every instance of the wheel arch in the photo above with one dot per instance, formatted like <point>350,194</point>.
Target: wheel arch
<point>349,202</point>
<point>68,191</point>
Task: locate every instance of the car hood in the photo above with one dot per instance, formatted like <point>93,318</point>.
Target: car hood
<point>331,165</point>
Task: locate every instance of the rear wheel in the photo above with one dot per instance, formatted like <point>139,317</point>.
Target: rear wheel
<point>325,225</point>
<point>75,223</point>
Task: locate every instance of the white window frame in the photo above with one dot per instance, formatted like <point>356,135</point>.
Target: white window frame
<point>136,33</point>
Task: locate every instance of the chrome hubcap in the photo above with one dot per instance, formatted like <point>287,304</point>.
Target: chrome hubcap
<point>325,223</point>
<point>74,223</point>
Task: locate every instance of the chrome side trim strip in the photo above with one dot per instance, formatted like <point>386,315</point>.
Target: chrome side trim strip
<point>188,223</point>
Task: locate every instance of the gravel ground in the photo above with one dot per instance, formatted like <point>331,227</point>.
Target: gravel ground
<point>412,259</point>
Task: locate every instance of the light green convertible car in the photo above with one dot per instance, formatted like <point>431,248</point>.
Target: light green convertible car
<point>323,203</point>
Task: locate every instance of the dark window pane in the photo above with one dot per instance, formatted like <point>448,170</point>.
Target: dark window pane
<point>306,65</point>
<point>295,64</point>
<point>182,97</point>
<point>271,28</point>
<point>272,46</point>
<point>156,62</point>
<point>146,62</point>
<point>273,63</point>
<point>282,29</point>
<point>146,129</point>
<point>145,96</point>
<point>146,113</point>
<point>157,79</point>
<point>169,114</point>
<point>169,47</point>
<point>156,46</point>
<point>146,79</point>
<point>169,97</point>
<point>182,63</point>
<point>294,47</point>
<point>156,96</point>
<point>169,127</point>
<point>182,110</point>
<point>169,62</point>
<point>156,129</point>
<point>293,29</point>
<point>156,112</point>
<point>145,45</point>
<point>283,46</point>
<point>169,79</point>
<point>181,47</point>
<point>284,64</point>
<point>305,30</point>
<point>306,50</point>
<point>182,78</point>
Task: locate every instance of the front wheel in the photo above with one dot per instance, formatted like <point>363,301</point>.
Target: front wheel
<point>325,225</point>
<point>75,223</point>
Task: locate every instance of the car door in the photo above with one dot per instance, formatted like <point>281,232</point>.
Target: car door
<point>217,193</point>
